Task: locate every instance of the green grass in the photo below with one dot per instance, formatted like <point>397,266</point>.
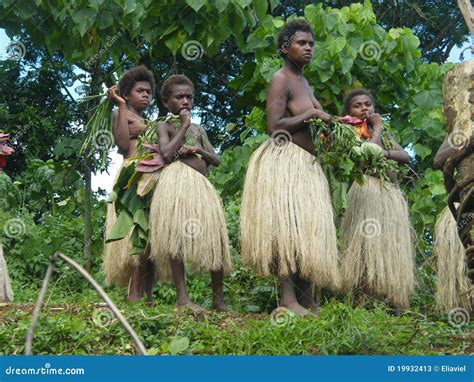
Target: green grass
<point>73,322</point>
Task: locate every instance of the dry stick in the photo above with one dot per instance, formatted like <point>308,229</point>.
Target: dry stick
<point>29,337</point>
<point>37,308</point>
<point>138,343</point>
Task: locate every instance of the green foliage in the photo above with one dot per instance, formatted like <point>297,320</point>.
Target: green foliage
<point>85,329</point>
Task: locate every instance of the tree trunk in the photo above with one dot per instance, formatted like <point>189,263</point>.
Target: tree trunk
<point>458,93</point>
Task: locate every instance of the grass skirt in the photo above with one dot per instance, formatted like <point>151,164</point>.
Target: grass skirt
<point>377,245</point>
<point>453,282</point>
<point>118,264</point>
<point>6,292</point>
<point>187,222</point>
<point>286,218</point>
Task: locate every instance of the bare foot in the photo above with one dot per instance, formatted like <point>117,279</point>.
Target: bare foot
<point>221,307</point>
<point>296,309</point>
<point>133,297</point>
<point>190,306</point>
<point>313,309</point>
<point>395,310</point>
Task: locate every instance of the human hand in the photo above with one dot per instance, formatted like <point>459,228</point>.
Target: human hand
<point>187,150</point>
<point>114,97</point>
<point>375,119</point>
<point>318,113</point>
<point>185,118</point>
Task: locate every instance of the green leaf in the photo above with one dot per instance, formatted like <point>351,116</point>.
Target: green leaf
<point>336,45</point>
<point>84,19</point>
<point>121,227</point>
<point>196,4</point>
<point>278,23</point>
<point>330,20</point>
<point>221,5</point>
<point>129,6</point>
<point>140,218</point>
<point>260,7</point>
<point>105,20</point>
<point>437,189</point>
<point>428,99</point>
<point>178,345</point>
<point>229,127</point>
<point>421,150</point>
<point>95,4</point>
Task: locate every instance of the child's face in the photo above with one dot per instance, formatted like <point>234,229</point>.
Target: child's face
<point>361,106</point>
<point>181,97</point>
<point>301,49</point>
<point>140,96</point>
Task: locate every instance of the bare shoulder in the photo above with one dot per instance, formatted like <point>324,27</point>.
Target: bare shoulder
<point>280,76</point>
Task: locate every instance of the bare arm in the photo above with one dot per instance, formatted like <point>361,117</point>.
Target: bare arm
<point>120,121</point>
<point>120,129</point>
<point>443,153</point>
<point>169,148</point>
<point>277,101</point>
<point>208,153</point>
<point>397,153</point>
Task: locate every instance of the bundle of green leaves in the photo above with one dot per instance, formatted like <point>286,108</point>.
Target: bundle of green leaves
<point>132,191</point>
<point>98,138</point>
<point>346,158</point>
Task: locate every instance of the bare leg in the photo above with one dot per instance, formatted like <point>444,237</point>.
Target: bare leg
<point>305,295</point>
<point>218,304</point>
<point>179,278</point>
<point>288,297</point>
<point>148,281</point>
<point>135,290</point>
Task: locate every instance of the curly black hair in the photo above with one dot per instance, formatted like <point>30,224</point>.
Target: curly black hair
<point>355,93</point>
<point>286,35</point>
<point>175,79</point>
<point>132,76</point>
